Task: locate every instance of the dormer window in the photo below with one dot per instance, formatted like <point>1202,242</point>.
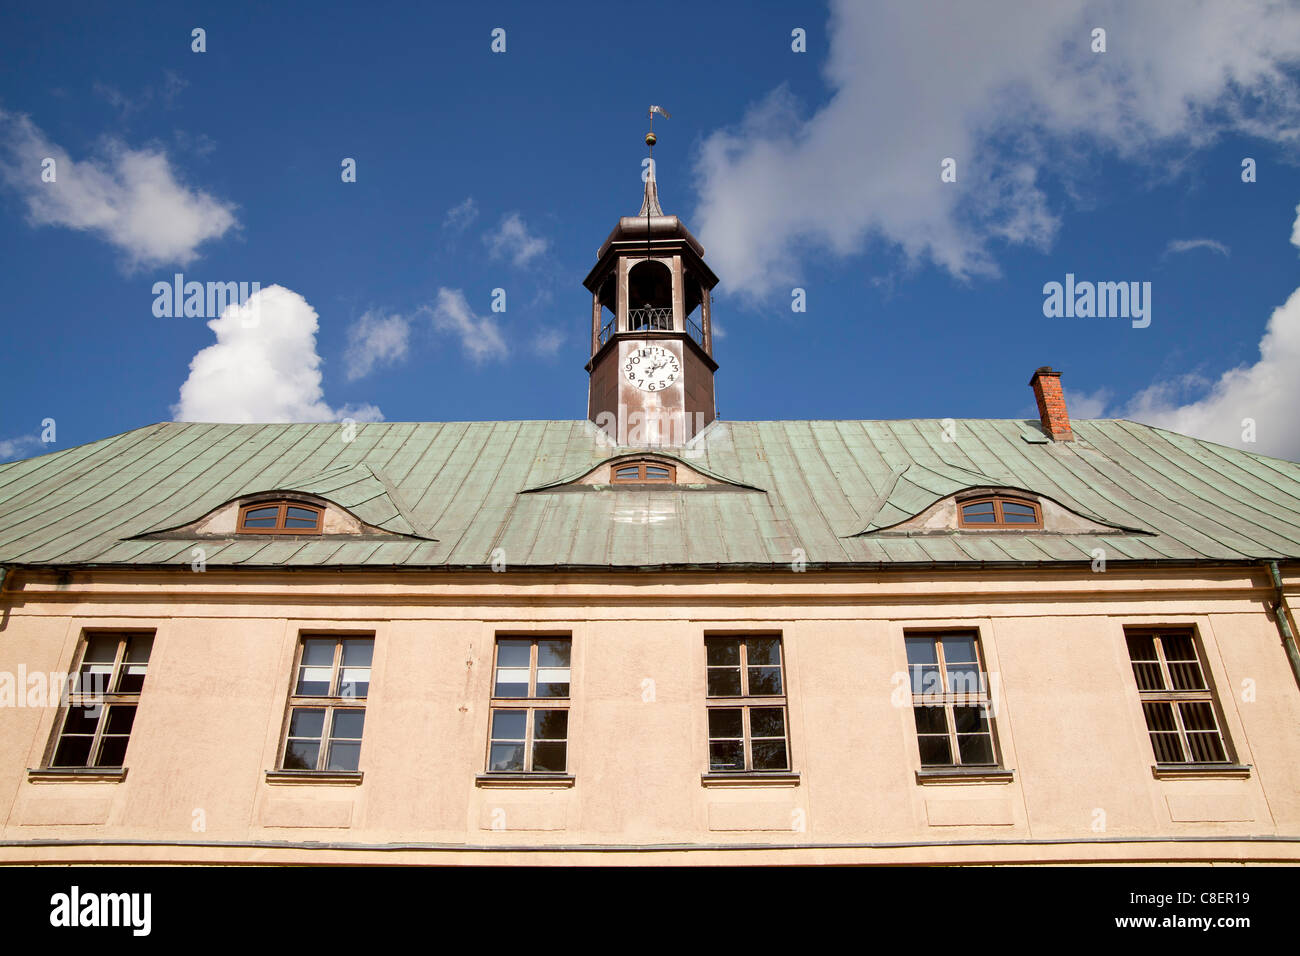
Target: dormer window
<point>1000,511</point>
<point>280,517</point>
<point>642,472</point>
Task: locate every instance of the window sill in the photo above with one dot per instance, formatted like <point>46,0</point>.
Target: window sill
<point>524,780</point>
<point>296,777</point>
<point>76,774</point>
<point>947,775</point>
<point>750,779</point>
<point>1200,771</point>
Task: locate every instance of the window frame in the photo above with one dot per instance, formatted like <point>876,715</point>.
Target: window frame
<point>949,699</point>
<point>530,704</point>
<point>110,698</point>
<point>1168,695</point>
<point>283,504</point>
<point>747,702</point>
<point>642,477</point>
<point>331,703</point>
<point>998,499</point>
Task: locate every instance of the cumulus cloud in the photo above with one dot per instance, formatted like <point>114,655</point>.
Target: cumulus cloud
<point>1002,88</point>
<point>1252,407</point>
<point>460,215</point>
<point>479,336</point>
<point>263,367</point>
<point>1187,245</point>
<point>513,241</point>
<point>131,198</point>
<point>24,446</point>
<point>375,340</point>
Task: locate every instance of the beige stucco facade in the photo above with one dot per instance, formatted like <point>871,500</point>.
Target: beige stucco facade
<point>1067,718</point>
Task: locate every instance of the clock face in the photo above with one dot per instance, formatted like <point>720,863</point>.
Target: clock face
<point>651,368</point>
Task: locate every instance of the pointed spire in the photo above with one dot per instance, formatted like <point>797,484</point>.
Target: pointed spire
<point>650,202</point>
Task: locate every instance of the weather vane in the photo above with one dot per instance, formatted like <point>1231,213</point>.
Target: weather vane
<point>650,136</point>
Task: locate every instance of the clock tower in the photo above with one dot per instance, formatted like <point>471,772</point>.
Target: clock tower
<point>651,362</point>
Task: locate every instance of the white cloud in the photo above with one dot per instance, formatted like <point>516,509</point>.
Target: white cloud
<point>263,367</point>
<point>547,342</point>
<point>24,446</point>
<point>1266,392</point>
<point>131,198</point>
<point>461,215</point>
<point>1187,245</point>
<point>1085,405</point>
<point>1003,88</point>
<point>479,335</point>
<point>375,340</point>
<point>513,241</point>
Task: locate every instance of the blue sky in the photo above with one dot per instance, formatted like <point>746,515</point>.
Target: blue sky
<point>818,170</point>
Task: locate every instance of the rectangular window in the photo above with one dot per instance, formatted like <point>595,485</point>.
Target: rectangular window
<point>529,710</point>
<point>950,702</point>
<point>746,704</point>
<point>96,724</point>
<point>1177,700</point>
<point>327,710</point>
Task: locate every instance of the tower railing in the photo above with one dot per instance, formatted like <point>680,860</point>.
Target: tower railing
<point>606,331</point>
<point>694,331</point>
<point>650,319</point>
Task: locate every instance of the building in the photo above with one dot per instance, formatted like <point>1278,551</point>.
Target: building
<point>651,636</point>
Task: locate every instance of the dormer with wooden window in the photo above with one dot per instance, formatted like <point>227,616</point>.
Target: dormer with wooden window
<point>281,517</point>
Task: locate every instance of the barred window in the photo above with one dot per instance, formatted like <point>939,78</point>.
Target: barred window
<point>326,712</point>
<point>950,700</point>
<point>1177,699</point>
<point>746,704</point>
<point>96,725</point>
<point>529,709</point>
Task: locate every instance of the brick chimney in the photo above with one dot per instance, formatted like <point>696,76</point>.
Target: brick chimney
<point>1046,384</point>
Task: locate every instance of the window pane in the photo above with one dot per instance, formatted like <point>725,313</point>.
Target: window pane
<point>935,751</point>
<point>72,752</point>
<point>627,472</point>
<point>553,653</point>
<point>656,471</point>
<point>975,748</point>
<point>82,720</point>
<point>550,724</point>
<point>112,751</point>
<point>314,681</point>
<point>926,681</point>
<point>959,649</point>
<point>138,648</point>
<point>1141,647</point>
<point>358,651</point>
<point>970,720</point>
<point>120,719</point>
<point>724,681</point>
<point>511,682</point>
<point>318,651</point>
<point>261,517</point>
<point>921,650</point>
<point>979,513</point>
<point>101,648</point>
<point>552,682</point>
<point>513,652</point>
<point>509,724</point>
<point>301,755</point>
<point>764,681</point>
<point>770,755</point>
<point>306,722</point>
<point>301,518</point>
<point>1012,509</point>
<point>348,723</point>
<point>930,720</point>
<point>1206,747</point>
<point>726,722</point>
<point>506,757</point>
<point>964,679</point>
<point>130,679</point>
<point>722,651</point>
<point>343,756</point>
<point>763,650</point>
<point>548,757</point>
<point>726,755</point>
<point>354,682</point>
<point>767,722</point>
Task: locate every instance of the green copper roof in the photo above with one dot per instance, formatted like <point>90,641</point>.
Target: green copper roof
<point>450,494</point>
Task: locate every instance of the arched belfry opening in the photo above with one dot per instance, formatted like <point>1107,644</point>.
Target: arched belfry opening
<point>652,367</point>
<point>650,297</point>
